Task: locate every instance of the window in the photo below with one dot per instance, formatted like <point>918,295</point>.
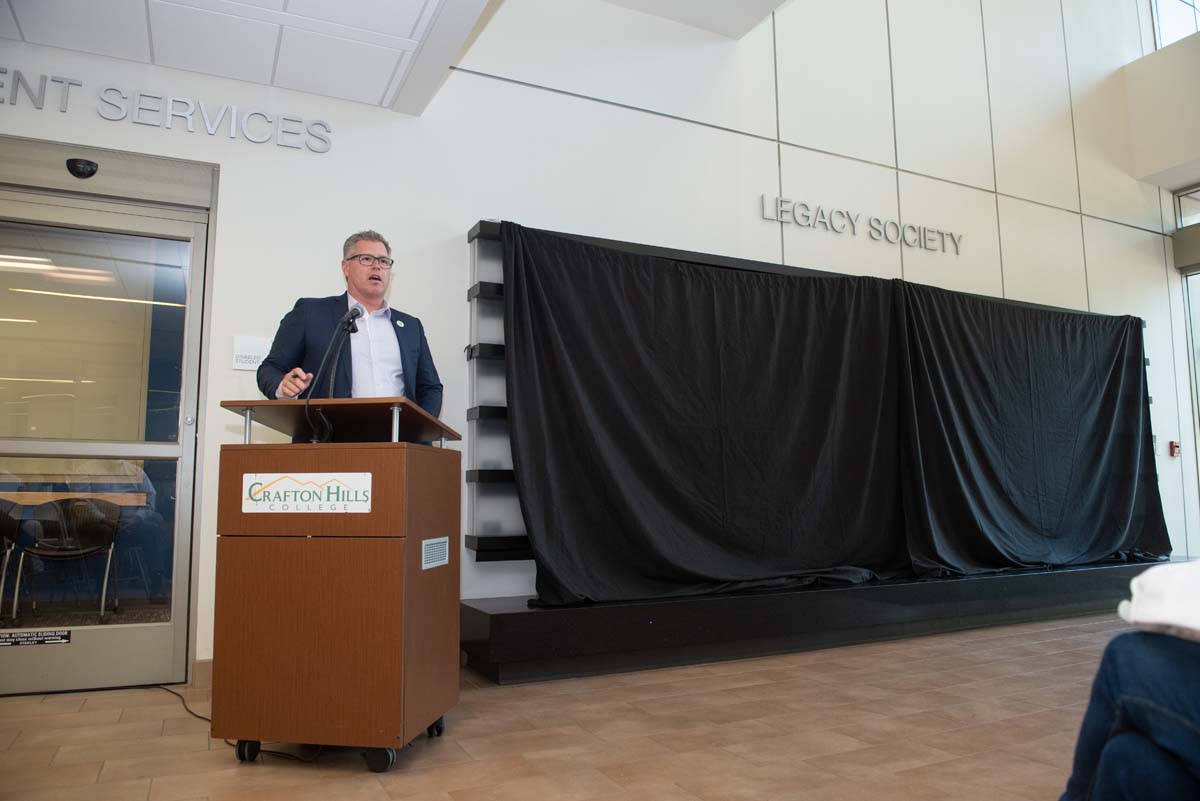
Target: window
<point>1188,207</point>
<point>1174,19</point>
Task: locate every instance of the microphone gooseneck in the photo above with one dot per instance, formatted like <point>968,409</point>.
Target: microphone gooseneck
<point>345,326</point>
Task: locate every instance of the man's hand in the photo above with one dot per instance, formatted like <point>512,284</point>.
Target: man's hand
<point>295,382</point>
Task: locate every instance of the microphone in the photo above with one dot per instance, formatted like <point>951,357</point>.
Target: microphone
<point>349,317</point>
<point>344,327</point>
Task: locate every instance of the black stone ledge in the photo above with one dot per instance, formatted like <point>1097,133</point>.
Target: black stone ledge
<point>485,350</point>
<point>486,290</point>
<point>487,413</point>
<point>509,642</point>
<point>490,476</point>
<point>499,547</point>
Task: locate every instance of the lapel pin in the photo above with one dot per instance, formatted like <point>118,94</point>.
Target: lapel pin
<point>400,323</point>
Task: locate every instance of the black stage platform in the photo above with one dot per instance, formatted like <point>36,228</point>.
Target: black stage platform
<point>509,642</point>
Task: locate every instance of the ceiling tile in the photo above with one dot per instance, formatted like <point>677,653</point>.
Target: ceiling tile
<point>327,65</point>
<point>116,28</point>
<point>8,25</point>
<point>397,17</point>
<point>216,44</point>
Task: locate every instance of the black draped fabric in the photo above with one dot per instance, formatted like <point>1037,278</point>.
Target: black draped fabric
<point>1026,438</point>
<point>680,429</point>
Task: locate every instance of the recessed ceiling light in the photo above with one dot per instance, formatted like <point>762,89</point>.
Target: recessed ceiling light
<point>99,297</point>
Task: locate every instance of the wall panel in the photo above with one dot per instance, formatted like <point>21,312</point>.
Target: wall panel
<point>942,117</point>
<point>969,213</point>
<point>838,183</point>
<point>607,52</point>
<point>1031,101</point>
<point>835,88</point>
<point>1043,255</point>
<point>1102,36</point>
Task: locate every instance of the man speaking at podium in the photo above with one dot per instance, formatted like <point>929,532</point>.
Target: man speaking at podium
<point>389,355</point>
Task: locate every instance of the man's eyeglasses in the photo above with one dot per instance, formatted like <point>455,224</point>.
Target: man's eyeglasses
<point>367,260</point>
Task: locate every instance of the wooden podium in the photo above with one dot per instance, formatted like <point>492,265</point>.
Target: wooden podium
<point>337,627</point>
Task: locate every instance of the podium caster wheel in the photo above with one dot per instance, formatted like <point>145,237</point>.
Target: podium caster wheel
<point>247,750</point>
<point>436,728</point>
<point>379,760</point>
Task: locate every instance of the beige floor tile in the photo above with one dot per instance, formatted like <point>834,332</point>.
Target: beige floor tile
<point>880,762</point>
<point>628,722</point>
<point>789,748</point>
<point>800,719</point>
<point>166,710</point>
<point>485,725</point>
<point>675,767</point>
<point>985,736</point>
<point>155,746</point>
<point>350,788</point>
<point>425,753</point>
<point>521,742</point>
<point>1056,695</point>
<point>149,767</point>
<point>1056,750</point>
<point>920,682</point>
<point>72,720</point>
<point>37,777</point>
<point>40,708</point>
<point>971,713</point>
<point>996,769</point>
<point>692,703</point>
<point>477,773</point>
<point>715,735</point>
<point>860,789</point>
<point>614,752</point>
<point>756,783</point>
<point>133,699</point>
<point>667,791</point>
<point>577,786</point>
<point>115,732</point>
<point>984,715</point>
<point>905,728</point>
<point>28,757</point>
<point>114,791</point>
<point>248,777</point>
<point>188,725</point>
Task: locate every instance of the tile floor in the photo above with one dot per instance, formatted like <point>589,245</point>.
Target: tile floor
<point>981,715</point>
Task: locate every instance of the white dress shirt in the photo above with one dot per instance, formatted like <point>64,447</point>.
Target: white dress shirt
<point>375,366</point>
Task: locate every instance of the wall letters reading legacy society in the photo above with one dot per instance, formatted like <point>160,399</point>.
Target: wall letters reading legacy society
<point>842,221</point>
<point>163,110</point>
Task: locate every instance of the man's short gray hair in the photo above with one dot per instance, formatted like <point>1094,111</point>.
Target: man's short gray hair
<point>369,236</point>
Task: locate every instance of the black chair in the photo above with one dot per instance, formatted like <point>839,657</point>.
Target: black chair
<point>73,528</point>
<point>10,516</point>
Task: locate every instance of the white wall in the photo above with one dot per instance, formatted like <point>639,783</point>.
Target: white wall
<point>582,116</point>
<point>1164,127</point>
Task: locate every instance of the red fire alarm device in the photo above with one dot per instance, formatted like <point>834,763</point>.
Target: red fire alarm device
<point>1174,449</point>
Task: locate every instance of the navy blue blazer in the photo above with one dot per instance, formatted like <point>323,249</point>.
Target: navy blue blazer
<point>304,334</point>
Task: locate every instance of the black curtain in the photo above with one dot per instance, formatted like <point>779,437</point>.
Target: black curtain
<point>1026,438</point>
<point>680,429</point>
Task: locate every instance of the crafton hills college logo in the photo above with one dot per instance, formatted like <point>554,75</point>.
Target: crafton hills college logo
<point>306,493</point>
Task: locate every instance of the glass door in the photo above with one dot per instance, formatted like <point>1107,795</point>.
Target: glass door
<point>99,349</point>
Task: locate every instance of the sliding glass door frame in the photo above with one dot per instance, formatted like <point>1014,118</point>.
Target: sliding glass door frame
<point>116,654</point>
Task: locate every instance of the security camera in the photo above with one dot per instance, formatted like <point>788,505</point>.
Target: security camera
<point>82,168</point>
